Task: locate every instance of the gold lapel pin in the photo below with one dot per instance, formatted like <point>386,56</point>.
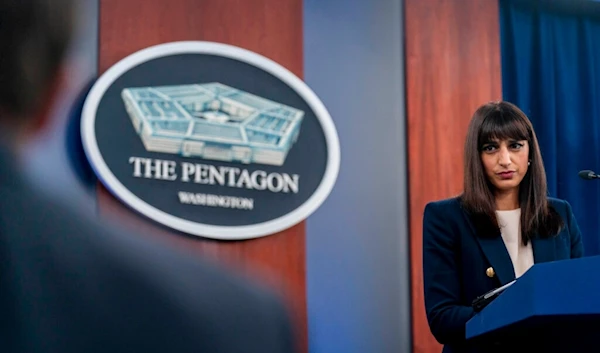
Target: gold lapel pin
<point>490,272</point>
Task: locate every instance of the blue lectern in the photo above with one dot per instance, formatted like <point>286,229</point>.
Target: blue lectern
<point>554,307</point>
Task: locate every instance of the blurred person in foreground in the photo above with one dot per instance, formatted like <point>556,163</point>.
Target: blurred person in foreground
<point>69,284</point>
<point>501,224</point>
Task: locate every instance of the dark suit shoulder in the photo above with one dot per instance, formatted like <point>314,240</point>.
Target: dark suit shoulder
<point>557,203</point>
<point>106,288</point>
<point>440,220</point>
<point>562,207</point>
<point>452,204</point>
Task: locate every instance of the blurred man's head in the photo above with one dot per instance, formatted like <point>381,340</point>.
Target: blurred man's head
<point>34,37</point>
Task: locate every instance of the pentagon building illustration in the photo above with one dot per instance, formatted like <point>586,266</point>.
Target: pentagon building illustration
<point>213,121</point>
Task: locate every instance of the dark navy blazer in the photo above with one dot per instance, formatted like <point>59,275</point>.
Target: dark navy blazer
<point>455,260</point>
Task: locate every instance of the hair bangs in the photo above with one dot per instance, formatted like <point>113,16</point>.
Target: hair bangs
<point>500,126</point>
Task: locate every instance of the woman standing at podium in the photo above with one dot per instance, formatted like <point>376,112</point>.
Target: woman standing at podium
<point>501,224</point>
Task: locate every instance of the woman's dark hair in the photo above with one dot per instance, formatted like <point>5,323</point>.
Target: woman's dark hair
<point>499,121</point>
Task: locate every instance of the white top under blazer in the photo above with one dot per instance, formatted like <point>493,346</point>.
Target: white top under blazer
<point>510,228</point>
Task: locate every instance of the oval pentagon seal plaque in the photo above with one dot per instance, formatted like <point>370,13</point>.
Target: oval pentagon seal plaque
<point>211,140</point>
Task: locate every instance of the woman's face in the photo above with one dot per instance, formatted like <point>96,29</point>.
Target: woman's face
<point>505,163</point>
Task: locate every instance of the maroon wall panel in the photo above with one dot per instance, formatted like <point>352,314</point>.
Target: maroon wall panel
<point>452,66</point>
<point>272,28</point>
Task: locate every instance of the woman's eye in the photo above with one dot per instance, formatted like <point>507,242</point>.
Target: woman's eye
<point>488,148</point>
<point>516,145</point>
